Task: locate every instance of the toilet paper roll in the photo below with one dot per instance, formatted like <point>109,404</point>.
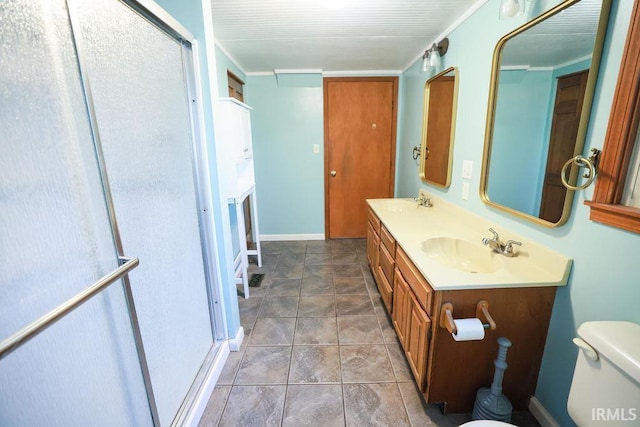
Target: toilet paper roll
<point>468,330</point>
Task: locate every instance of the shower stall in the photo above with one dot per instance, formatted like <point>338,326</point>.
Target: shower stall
<point>109,309</point>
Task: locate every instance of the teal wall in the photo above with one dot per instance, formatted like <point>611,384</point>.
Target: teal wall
<point>286,121</point>
<point>189,14</point>
<point>519,138</point>
<point>409,133</point>
<point>604,283</point>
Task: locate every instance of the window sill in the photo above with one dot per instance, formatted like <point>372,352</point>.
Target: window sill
<point>625,217</point>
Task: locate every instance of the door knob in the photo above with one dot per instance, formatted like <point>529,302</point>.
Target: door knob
<point>334,173</point>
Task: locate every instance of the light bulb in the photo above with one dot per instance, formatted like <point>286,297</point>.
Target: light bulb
<point>509,8</point>
<point>434,59</point>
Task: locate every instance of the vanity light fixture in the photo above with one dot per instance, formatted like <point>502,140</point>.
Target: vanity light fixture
<point>431,60</point>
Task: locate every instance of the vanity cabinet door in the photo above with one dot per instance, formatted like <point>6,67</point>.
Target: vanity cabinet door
<point>236,129</point>
<point>373,242</point>
<point>400,307</point>
<point>417,345</point>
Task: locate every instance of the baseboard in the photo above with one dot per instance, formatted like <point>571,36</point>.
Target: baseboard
<point>541,414</point>
<point>236,342</point>
<point>279,237</point>
<point>191,417</point>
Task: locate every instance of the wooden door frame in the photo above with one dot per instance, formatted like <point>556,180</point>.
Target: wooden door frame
<point>394,126</point>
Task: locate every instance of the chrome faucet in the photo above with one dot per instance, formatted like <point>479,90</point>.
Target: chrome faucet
<point>423,200</point>
<point>496,245</point>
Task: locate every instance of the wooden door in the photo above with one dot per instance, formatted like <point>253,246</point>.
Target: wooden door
<point>360,131</point>
<point>562,141</point>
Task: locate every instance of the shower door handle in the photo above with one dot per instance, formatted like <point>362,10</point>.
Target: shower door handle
<point>30,331</point>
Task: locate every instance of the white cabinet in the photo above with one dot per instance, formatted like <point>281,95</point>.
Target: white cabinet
<point>235,148</point>
<point>237,178</point>
<point>237,117</point>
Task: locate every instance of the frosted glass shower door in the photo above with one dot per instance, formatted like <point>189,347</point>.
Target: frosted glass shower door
<point>56,239</point>
<point>139,91</point>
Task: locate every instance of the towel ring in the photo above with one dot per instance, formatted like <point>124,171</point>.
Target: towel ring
<point>590,163</point>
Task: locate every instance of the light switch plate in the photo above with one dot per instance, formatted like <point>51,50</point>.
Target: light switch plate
<point>467,169</point>
<point>316,148</point>
<point>465,191</point>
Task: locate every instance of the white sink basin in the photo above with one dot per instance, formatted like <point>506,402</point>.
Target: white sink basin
<point>399,205</point>
<point>462,255</point>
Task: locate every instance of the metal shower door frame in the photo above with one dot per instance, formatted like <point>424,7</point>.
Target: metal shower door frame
<point>158,17</point>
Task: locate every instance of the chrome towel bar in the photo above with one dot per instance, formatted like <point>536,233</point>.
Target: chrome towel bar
<point>25,334</point>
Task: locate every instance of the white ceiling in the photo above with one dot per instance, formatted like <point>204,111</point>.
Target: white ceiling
<point>560,39</point>
<point>332,35</point>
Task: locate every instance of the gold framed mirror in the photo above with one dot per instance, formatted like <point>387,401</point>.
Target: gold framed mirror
<point>542,83</point>
<point>438,127</point>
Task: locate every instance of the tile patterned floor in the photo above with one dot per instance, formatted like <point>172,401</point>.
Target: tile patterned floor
<point>319,348</point>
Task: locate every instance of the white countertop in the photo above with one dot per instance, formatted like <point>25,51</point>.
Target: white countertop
<point>411,225</point>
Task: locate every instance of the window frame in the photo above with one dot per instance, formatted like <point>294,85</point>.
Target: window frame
<point>622,131</point>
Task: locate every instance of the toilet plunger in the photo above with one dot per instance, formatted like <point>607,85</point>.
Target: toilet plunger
<point>491,404</point>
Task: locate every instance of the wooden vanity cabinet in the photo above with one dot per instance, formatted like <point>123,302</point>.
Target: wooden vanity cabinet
<point>447,371</point>
<point>401,300</point>
<point>384,285</point>
<point>456,370</point>
<point>373,242</point>
<point>410,315</point>
<point>380,260</point>
<point>417,343</point>
<point>386,265</point>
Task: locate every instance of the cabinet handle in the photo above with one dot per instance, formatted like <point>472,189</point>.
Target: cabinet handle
<point>334,173</point>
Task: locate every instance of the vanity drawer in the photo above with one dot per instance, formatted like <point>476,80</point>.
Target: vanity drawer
<point>385,289</point>
<point>417,283</point>
<point>387,264</point>
<point>373,220</point>
<point>388,241</point>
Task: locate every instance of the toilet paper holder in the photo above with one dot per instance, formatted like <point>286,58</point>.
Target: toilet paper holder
<point>482,313</point>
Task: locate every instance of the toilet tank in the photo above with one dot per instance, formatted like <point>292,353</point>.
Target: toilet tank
<point>606,391</point>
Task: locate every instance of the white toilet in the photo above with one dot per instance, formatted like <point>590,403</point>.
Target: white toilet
<point>606,382</point>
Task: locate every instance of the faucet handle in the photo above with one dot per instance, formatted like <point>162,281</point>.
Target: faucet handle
<point>508,247</point>
<point>495,235</point>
